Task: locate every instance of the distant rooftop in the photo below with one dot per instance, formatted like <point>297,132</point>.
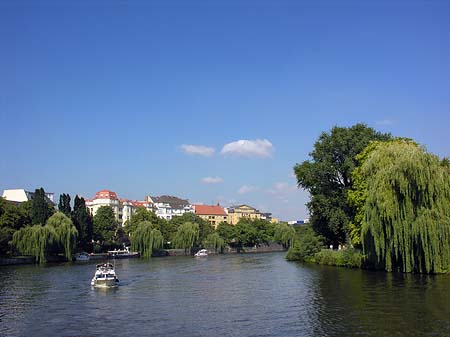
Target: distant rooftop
<point>174,202</point>
<point>106,194</point>
<point>209,210</point>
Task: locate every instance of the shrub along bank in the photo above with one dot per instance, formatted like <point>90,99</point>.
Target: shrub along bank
<point>309,247</point>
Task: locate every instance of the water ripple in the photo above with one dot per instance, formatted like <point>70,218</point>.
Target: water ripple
<point>237,295</point>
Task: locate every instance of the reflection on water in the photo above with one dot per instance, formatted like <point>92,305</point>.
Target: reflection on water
<point>235,295</point>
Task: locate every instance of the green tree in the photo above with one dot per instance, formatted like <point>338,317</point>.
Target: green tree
<point>214,241</point>
<point>64,204</point>
<point>187,236</point>
<point>306,245</point>
<point>328,177</point>
<point>406,225</point>
<point>12,218</point>
<point>65,233</point>
<point>105,225</point>
<point>246,235</point>
<point>357,195</point>
<point>284,234</point>
<point>83,222</point>
<point>204,227</point>
<point>265,231</point>
<point>41,210</point>
<point>227,232</point>
<point>142,214</point>
<point>35,241</point>
<point>146,239</point>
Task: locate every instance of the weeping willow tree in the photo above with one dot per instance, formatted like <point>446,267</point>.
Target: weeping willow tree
<point>406,225</point>
<point>66,234</point>
<point>214,241</point>
<point>357,195</point>
<point>186,236</point>
<point>35,241</point>
<point>146,238</point>
<point>59,235</point>
<point>284,234</point>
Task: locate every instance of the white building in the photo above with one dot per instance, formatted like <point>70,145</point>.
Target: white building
<point>20,195</point>
<point>122,208</point>
<point>164,207</point>
<point>167,206</point>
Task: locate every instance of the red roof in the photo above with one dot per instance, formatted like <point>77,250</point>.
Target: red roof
<point>106,194</point>
<point>209,210</point>
<point>136,203</point>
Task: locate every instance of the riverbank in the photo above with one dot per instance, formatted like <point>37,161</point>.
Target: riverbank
<point>6,261</point>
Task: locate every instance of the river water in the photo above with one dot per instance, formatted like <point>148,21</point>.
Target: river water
<point>232,295</point>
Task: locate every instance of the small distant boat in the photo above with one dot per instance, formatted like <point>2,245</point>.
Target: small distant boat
<point>105,276</point>
<point>122,253</point>
<point>83,256</point>
<point>201,253</point>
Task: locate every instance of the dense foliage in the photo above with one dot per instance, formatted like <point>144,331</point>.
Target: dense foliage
<point>349,258</point>
<point>105,225</point>
<point>187,236</point>
<point>385,195</point>
<point>146,238</point>
<point>84,224</point>
<point>35,241</point>
<point>406,226</point>
<point>328,177</point>
<point>58,235</point>
<point>12,218</point>
<point>285,235</point>
<point>306,244</point>
<point>64,204</point>
<point>65,233</point>
<point>42,209</point>
<point>214,241</point>
<point>142,214</point>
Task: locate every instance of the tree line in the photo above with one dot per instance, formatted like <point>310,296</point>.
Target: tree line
<point>36,228</point>
<point>383,195</point>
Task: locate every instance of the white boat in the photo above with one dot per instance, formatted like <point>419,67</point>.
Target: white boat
<point>83,256</point>
<point>105,276</point>
<point>122,253</point>
<point>201,252</point>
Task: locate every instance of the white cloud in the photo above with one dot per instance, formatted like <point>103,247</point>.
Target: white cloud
<point>212,180</point>
<point>386,122</point>
<point>261,148</point>
<point>282,191</point>
<point>282,188</point>
<point>246,189</point>
<point>198,150</point>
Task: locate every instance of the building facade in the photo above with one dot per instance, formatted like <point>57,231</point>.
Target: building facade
<point>235,213</point>
<point>110,199</point>
<point>20,195</point>
<point>164,207</point>
<point>214,214</point>
<point>168,206</point>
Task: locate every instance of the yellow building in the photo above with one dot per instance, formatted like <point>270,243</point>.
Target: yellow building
<point>235,213</point>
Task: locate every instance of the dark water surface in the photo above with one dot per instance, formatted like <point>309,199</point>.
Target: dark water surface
<point>234,295</point>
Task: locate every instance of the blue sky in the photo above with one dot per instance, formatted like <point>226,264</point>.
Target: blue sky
<point>104,94</point>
